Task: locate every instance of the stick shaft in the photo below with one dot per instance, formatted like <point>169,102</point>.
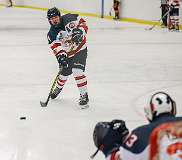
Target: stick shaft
<point>44,104</point>
<point>160,19</point>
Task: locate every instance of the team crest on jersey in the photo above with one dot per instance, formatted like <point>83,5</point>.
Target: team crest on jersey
<point>72,25</point>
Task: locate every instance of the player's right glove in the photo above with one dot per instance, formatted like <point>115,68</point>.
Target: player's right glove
<point>77,36</point>
<point>109,136</point>
<point>62,60</point>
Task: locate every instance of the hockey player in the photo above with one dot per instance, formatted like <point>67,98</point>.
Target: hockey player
<point>135,146</point>
<point>116,7</point>
<point>72,60</point>
<point>164,10</point>
<point>10,3</point>
<point>174,6</point>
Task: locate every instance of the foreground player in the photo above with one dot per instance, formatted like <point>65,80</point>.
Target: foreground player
<point>71,60</point>
<point>116,145</point>
<point>166,142</point>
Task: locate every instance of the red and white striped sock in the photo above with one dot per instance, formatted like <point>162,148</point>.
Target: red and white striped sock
<point>81,80</point>
<point>61,81</point>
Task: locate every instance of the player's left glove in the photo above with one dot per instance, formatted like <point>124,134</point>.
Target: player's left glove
<point>115,137</point>
<point>77,36</point>
<point>63,60</point>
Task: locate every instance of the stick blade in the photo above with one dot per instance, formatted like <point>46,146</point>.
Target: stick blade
<point>149,29</point>
<point>43,104</point>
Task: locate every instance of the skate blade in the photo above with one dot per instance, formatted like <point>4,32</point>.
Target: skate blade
<point>84,106</point>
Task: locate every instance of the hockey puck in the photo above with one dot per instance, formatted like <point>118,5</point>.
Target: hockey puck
<point>22,118</point>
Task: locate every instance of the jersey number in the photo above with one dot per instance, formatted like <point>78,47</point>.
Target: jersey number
<point>131,140</point>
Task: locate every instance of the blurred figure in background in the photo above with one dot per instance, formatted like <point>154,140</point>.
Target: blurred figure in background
<point>164,10</point>
<point>173,23</point>
<point>116,7</point>
<point>10,3</point>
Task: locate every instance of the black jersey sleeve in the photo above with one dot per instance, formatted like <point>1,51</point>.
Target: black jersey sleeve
<point>138,139</point>
<point>51,36</point>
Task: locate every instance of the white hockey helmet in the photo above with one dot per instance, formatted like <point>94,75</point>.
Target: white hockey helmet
<point>160,103</point>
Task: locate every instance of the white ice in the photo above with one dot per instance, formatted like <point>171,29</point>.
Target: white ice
<point>126,64</point>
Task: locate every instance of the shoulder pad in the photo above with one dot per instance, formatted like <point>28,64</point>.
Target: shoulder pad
<point>67,18</point>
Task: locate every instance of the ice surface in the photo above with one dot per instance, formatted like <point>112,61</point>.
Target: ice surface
<point>126,64</point>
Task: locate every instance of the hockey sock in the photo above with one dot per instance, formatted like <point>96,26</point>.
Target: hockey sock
<point>61,81</point>
<point>176,18</point>
<point>172,22</point>
<point>81,80</point>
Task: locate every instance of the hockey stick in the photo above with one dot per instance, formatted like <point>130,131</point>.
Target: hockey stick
<point>159,20</point>
<point>44,104</point>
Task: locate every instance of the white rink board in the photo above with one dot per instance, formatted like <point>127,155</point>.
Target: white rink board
<point>141,9</point>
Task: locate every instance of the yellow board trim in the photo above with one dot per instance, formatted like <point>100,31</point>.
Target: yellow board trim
<point>132,20</point>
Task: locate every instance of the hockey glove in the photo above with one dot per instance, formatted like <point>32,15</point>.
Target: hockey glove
<point>77,36</point>
<point>115,137</point>
<point>63,60</point>
<point>109,136</point>
<point>119,126</point>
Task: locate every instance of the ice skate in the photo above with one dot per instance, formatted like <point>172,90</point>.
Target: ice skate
<point>171,27</point>
<point>83,101</point>
<point>163,25</point>
<point>177,27</point>
<point>116,18</point>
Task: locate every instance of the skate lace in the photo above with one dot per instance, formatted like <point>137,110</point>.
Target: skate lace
<point>83,98</point>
